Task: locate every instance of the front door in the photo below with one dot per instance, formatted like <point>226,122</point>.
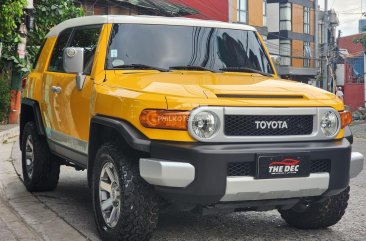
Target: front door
<point>70,114</point>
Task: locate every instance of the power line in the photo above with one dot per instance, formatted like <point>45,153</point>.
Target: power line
<point>333,4</point>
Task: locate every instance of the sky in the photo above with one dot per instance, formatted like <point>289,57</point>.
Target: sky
<point>349,13</point>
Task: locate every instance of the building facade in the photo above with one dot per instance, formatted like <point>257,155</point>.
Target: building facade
<point>251,12</point>
<point>214,10</point>
<point>137,7</point>
<point>288,26</point>
<point>236,11</point>
<point>352,71</point>
<point>291,35</point>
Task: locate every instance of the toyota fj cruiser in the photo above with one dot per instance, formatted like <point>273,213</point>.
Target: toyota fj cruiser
<point>186,114</point>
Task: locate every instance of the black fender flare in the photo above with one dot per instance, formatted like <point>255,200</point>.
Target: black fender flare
<point>36,111</point>
<point>130,135</point>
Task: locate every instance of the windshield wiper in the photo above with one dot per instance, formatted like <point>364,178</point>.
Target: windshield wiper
<point>245,69</point>
<point>140,66</point>
<point>192,67</point>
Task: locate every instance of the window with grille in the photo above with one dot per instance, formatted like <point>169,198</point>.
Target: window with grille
<point>285,16</point>
<point>307,54</point>
<point>242,11</point>
<point>285,52</point>
<point>306,20</point>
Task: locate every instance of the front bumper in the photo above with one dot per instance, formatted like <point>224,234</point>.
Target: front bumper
<point>197,173</point>
<point>250,189</point>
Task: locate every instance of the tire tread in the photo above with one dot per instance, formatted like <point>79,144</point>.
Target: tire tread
<point>320,214</point>
<point>46,170</point>
<point>139,207</point>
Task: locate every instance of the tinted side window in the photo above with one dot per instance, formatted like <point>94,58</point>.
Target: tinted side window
<point>87,38</point>
<point>56,63</point>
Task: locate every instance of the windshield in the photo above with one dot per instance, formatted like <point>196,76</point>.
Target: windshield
<point>165,46</point>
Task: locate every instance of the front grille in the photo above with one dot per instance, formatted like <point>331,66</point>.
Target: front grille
<point>237,169</point>
<point>320,166</point>
<point>245,125</point>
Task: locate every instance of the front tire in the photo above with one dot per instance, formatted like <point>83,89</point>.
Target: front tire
<point>318,214</point>
<point>40,170</point>
<point>125,206</point>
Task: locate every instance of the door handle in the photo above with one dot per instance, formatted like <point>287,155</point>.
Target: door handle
<point>56,89</point>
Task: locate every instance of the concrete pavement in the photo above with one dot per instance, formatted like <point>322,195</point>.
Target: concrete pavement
<point>68,211</point>
<point>8,132</point>
<point>12,226</point>
<point>22,215</point>
<point>71,200</point>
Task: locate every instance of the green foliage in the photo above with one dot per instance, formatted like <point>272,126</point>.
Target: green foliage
<point>4,98</point>
<point>47,14</point>
<point>11,12</point>
<point>361,40</point>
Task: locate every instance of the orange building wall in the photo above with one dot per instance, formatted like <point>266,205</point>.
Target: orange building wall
<point>312,22</point>
<point>297,18</point>
<point>234,17</point>
<point>255,8</point>
<point>297,50</point>
<point>298,27</point>
<point>255,12</point>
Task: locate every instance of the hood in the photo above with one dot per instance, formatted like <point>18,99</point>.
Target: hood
<point>240,87</point>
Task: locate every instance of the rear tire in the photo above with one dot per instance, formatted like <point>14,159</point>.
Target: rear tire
<point>40,170</point>
<point>316,215</point>
<point>125,206</point>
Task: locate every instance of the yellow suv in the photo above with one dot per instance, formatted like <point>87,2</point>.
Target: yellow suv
<point>186,114</point>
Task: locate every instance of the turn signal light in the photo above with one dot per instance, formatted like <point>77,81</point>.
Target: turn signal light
<point>163,119</point>
<point>346,118</point>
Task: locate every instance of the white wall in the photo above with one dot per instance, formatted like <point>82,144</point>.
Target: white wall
<point>273,17</point>
<point>273,24</point>
<point>340,74</point>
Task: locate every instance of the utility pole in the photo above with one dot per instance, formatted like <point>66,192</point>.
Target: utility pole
<point>316,27</point>
<point>325,46</point>
<point>230,2</point>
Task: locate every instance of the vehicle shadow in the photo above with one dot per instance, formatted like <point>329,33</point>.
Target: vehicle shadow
<point>236,226</point>
<point>72,202</point>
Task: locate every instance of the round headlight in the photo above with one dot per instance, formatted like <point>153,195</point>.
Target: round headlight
<point>329,123</point>
<point>205,124</point>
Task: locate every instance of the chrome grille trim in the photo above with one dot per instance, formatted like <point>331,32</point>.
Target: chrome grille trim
<point>220,136</point>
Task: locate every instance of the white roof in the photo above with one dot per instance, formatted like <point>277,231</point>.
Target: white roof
<point>91,20</point>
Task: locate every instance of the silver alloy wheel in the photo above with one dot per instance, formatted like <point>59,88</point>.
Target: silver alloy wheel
<point>109,194</point>
<point>29,156</point>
